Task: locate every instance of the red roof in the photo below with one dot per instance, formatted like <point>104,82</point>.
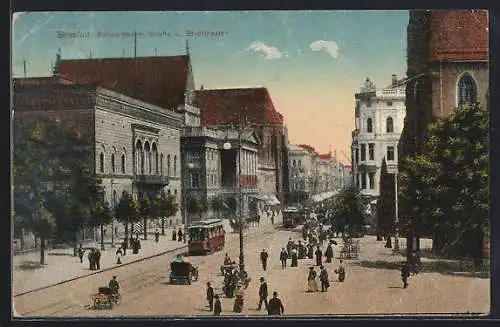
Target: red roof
<point>225,106</point>
<point>325,156</point>
<point>308,148</point>
<point>41,80</point>
<point>161,81</point>
<point>458,35</point>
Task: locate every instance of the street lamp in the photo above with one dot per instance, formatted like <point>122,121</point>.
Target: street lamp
<point>227,146</point>
<point>190,166</point>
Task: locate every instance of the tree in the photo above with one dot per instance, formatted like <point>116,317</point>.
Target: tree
<point>386,205</point>
<point>196,206</point>
<point>217,204</point>
<point>350,211</point>
<point>445,187</point>
<point>43,225</point>
<point>127,211</point>
<point>145,210</point>
<point>100,215</point>
<point>168,207</point>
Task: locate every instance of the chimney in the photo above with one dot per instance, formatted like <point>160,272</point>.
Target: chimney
<point>394,79</point>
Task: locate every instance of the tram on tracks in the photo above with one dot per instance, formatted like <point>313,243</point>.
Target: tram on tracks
<point>206,236</point>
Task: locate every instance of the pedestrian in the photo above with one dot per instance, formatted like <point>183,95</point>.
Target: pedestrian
<point>97,259</point>
<point>295,258</point>
<point>341,271</point>
<point>239,300</point>
<point>157,236</point>
<point>81,252</point>
<point>210,296</point>
<point>283,257</point>
<point>289,247</point>
<point>275,307</point>
<point>329,253</point>
<point>263,259</point>
<point>405,273</point>
<point>91,257</point>
<point>119,254</point>
<point>263,294</point>
<point>319,256</point>
<point>174,235</point>
<point>124,247</point>
<point>312,286</point>
<point>179,235</point>
<point>310,251</point>
<point>323,277</point>
<point>217,306</point>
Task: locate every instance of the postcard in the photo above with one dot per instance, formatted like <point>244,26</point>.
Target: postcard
<point>250,163</point>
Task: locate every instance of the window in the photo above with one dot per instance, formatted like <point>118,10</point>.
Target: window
<point>363,152</point>
<point>101,162</point>
<point>168,165</point>
<point>371,151</point>
<point>389,125</point>
<point>371,177</point>
<point>300,163</point>
<point>175,165</point>
<point>195,179</point>
<point>363,181</point>
<point>369,125</point>
<point>358,184</point>
<point>356,157</point>
<point>123,163</point>
<point>294,163</point>
<point>390,153</point>
<point>389,103</point>
<point>113,166</point>
<point>467,90</point>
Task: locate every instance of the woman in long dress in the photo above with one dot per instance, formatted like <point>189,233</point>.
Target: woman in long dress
<point>312,286</point>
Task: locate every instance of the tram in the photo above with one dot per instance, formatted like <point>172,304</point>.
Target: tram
<point>291,217</point>
<point>206,236</point>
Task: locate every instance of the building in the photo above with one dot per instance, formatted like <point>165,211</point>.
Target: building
<point>252,107</point>
<point>379,120</point>
<point>164,81</point>
<point>220,164</point>
<point>135,145</point>
<point>447,65</point>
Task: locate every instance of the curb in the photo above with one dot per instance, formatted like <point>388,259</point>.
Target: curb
<point>99,271</point>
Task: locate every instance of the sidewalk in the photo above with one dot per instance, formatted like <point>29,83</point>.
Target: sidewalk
<point>27,275</point>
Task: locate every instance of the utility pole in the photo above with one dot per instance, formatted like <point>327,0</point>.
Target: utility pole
<point>396,217</point>
<point>24,68</point>
<point>240,198</point>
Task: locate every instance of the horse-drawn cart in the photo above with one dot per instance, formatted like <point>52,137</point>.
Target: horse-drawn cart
<point>105,298</point>
<point>183,272</point>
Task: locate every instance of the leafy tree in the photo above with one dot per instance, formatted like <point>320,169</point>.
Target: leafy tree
<point>100,215</point>
<point>43,224</point>
<point>168,208</point>
<point>386,205</point>
<point>349,211</point>
<point>196,206</point>
<point>145,210</point>
<point>445,187</point>
<point>217,204</point>
<point>127,211</point>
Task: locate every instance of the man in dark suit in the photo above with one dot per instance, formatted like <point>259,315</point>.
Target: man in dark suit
<point>263,294</point>
<point>263,259</point>
<point>275,306</point>
<point>210,296</point>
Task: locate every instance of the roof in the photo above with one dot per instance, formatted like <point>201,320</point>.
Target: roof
<point>45,80</point>
<point>226,106</point>
<point>161,81</point>
<point>308,148</point>
<point>457,35</point>
<point>325,156</point>
<point>205,223</point>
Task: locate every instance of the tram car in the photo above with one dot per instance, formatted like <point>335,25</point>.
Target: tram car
<point>206,237</point>
<point>291,217</point>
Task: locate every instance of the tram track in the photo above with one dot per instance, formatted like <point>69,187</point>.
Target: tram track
<point>136,284</point>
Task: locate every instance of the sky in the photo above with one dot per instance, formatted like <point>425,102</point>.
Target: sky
<point>312,62</point>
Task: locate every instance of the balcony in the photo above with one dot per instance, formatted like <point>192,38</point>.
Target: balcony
<point>199,131</point>
<point>151,179</point>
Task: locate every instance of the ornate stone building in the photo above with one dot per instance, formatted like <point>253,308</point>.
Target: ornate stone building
<point>379,118</point>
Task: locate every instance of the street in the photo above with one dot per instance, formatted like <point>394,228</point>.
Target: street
<point>145,289</point>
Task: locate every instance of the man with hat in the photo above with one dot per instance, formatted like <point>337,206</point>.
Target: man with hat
<point>263,294</point>
<point>210,296</point>
<point>263,259</point>
<point>275,306</point>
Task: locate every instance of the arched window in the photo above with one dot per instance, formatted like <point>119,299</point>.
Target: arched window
<point>123,163</point>
<point>156,158</point>
<point>300,163</point>
<point>168,165</point>
<point>294,163</point>
<point>467,90</point>
<point>369,125</point>
<point>114,200</point>
<point>113,166</point>
<point>175,165</point>
<point>147,156</point>
<point>139,158</point>
<point>101,162</point>
<point>389,125</point>
<point>161,164</point>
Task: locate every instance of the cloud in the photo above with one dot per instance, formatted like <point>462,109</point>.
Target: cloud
<point>38,25</point>
<point>266,51</point>
<point>331,47</point>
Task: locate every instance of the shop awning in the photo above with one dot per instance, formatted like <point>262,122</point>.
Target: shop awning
<point>273,200</point>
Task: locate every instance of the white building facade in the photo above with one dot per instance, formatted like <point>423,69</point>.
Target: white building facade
<point>379,115</point>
